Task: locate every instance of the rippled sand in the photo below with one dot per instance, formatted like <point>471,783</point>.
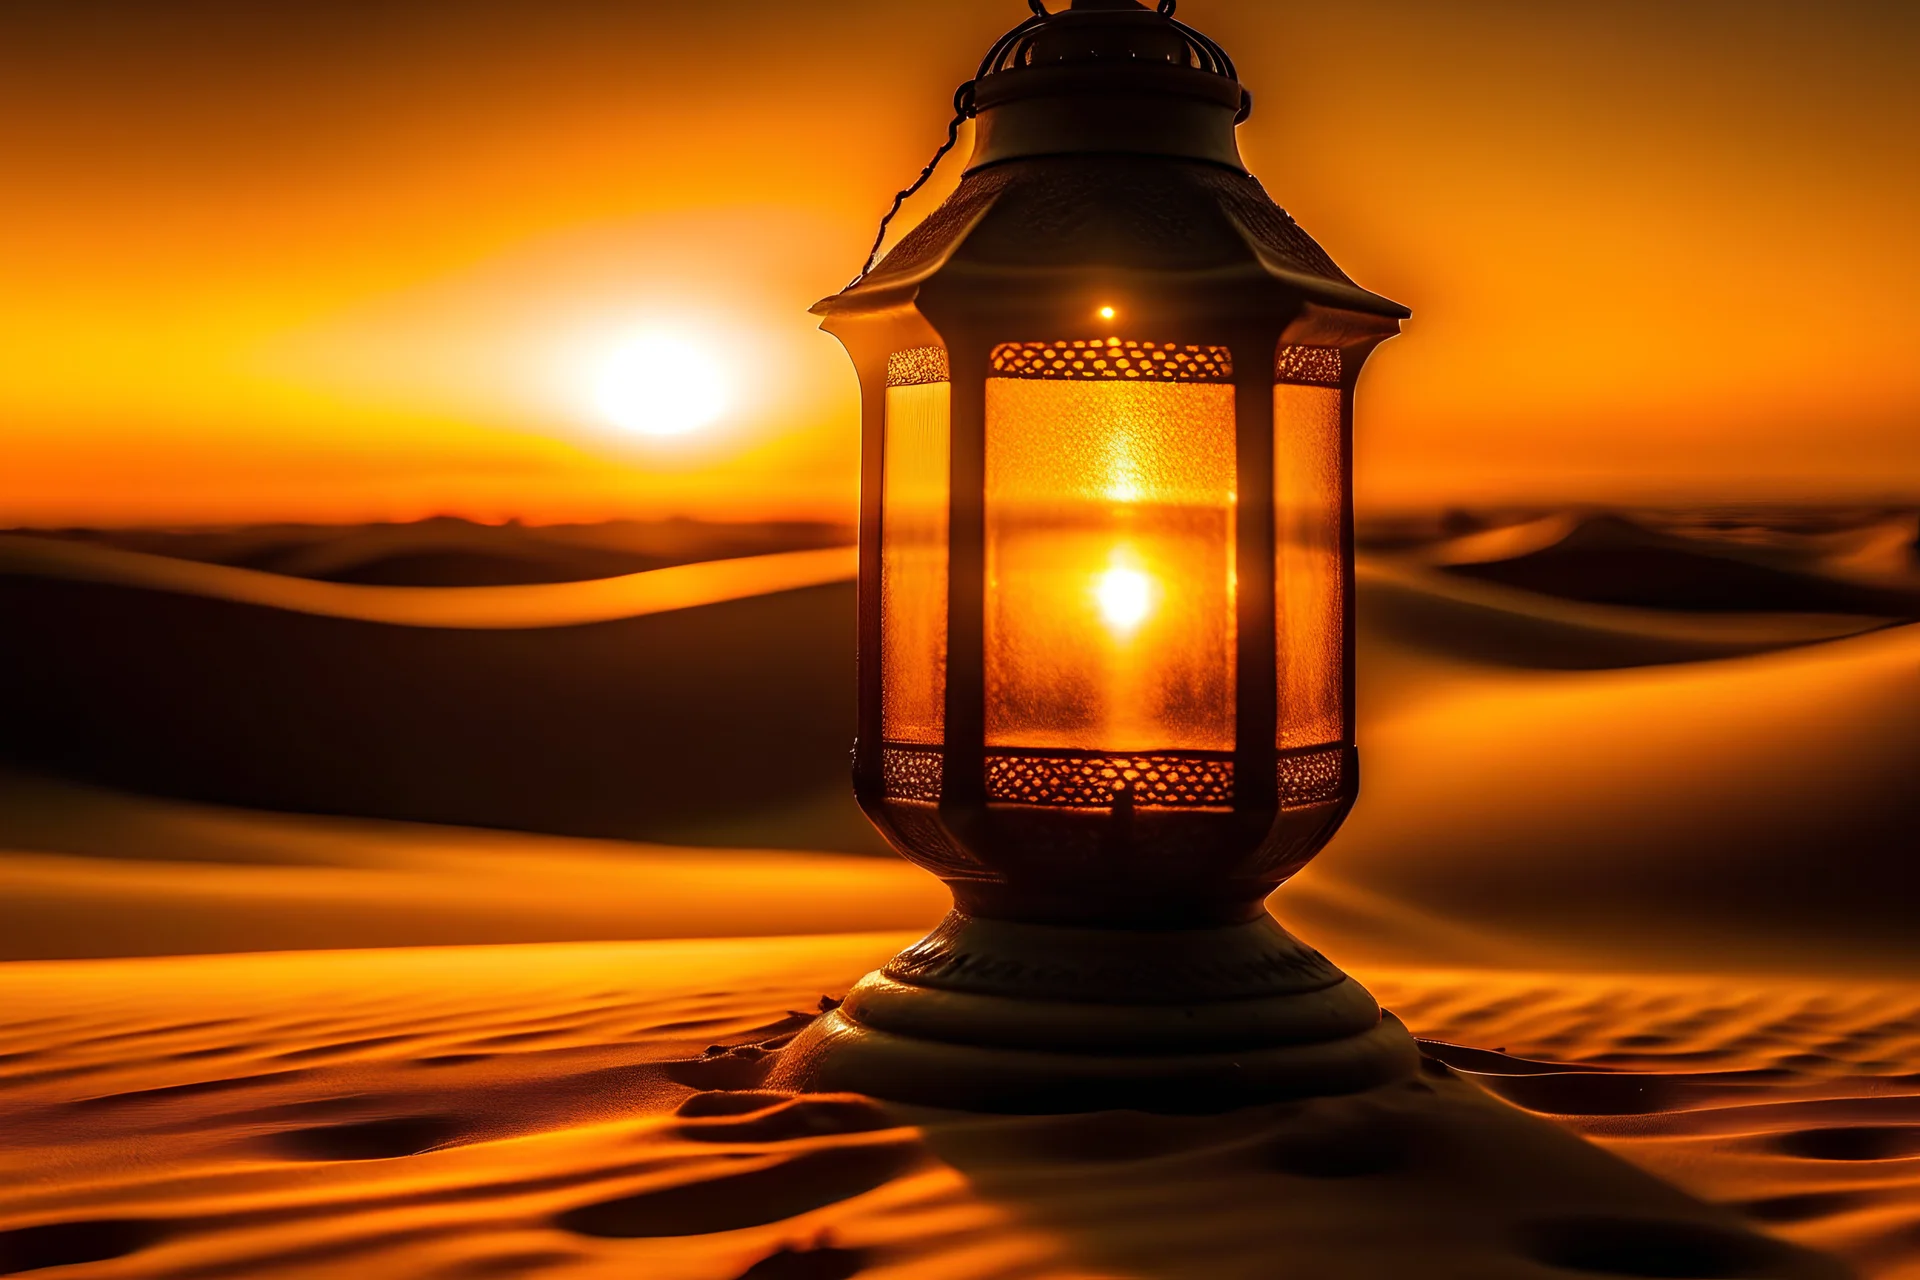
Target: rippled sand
<point>553,1110</point>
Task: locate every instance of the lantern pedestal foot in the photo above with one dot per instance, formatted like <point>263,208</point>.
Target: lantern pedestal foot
<point>985,1015</point>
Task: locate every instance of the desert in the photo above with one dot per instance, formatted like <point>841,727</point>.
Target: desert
<point>959,640</point>
<point>316,1019</point>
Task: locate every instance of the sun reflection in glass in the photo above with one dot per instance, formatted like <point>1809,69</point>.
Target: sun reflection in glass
<point>1125,597</point>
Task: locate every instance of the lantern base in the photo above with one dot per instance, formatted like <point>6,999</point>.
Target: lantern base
<point>985,1015</point>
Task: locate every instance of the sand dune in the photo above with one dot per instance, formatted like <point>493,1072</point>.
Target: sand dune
<point>493,608</point>
<point>1409,611</point>
<point>448,552</point>
<point>725,724</point>
<point>1558,790</point>
<point>722,724</point>
<point>1609,558</point>
<point>87,872</point>
<point>1548,782</point>
<point>1761,803</point>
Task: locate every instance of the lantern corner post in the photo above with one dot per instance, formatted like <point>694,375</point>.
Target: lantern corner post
<point>1353,359</point>
<point>1256,674</point>
<point>868,747</point>
<point>963,793</point>
<point>874,338</point>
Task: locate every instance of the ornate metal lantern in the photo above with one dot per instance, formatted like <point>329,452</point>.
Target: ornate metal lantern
<point>1106,596</point>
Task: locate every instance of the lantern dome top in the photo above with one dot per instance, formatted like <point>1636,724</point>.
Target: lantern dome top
<point>1106,75</point>
<point>1104,152</point>
<point>1105,32</point>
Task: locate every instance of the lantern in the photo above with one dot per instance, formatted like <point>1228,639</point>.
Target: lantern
<point>1106,598</point>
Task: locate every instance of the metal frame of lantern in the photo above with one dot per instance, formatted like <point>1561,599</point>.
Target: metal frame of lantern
<point>1109,943</point>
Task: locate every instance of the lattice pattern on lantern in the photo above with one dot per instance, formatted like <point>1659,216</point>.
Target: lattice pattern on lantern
<point>1312,777</point>
<point>1310,365</point>
<point>1096,781</point>
<point>917,366</point>
<point>1120,359</point>
<point>909,773</point>
<point>1314,366</point>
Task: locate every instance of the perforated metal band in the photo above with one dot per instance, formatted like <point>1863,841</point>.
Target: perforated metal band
<point>1098,781</point>
<point>917,366</point>
<point>1313,366</point>
<point>910,773</point>
<point>1095,780</point>
<point>1312,777</point>
<point>1116,359</point>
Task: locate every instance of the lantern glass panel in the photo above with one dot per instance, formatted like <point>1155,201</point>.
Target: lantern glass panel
<point>913,547</point>
<point>1308,499</point>
<point>1109,548</point>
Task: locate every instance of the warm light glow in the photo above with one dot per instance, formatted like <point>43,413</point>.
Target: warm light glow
<point>327,294</point>
<point>1109,624</point>
<point>1108,313</point>
<point>913,562</point>
<point>1126,598</point>
<point>657,384</point>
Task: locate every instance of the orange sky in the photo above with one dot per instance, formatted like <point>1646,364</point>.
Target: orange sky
<point>334,262</point>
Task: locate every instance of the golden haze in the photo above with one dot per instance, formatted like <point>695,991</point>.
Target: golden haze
<point>264,262</point>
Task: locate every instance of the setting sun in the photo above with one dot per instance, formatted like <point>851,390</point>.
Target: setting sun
<point>657,384</point>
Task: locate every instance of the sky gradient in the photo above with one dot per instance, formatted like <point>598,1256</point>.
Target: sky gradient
<point>356,261</point>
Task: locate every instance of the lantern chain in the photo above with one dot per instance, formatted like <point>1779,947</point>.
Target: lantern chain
<point>963,110</point>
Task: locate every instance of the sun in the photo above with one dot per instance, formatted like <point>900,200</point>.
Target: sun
<point>661,384</point>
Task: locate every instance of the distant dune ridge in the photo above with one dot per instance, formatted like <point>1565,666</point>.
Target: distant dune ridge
<point>1691,769</point>
<point>1593,743</point>
<point>612,707</point>
<point>450,552</point>
<point>1609,559</point>
<point>499,607</point>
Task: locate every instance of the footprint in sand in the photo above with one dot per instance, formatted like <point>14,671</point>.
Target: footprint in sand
<point>1613,1246</point>
<point>763,1116</point>
<point>786,1185</point>
<point>386,1139</point>
<point>70,1244</point>
<point>1805,1206</point>
<point>1856,1142</point>
<point>824,1263</point>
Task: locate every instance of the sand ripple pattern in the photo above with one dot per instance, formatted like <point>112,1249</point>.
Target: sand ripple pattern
<point>527,1111</point>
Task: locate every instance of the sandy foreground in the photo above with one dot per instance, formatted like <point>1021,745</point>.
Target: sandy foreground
<point>1647,872</point>
<point>547,1110</point>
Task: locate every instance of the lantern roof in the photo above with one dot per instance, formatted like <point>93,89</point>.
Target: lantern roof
<point>1104,142</point>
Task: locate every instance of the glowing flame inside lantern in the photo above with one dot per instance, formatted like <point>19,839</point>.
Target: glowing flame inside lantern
<point>1125,597</point>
